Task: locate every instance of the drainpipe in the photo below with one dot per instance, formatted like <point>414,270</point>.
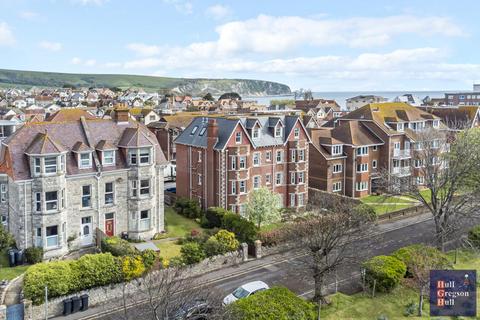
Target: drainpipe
<point>25,214</point>
<point>97,177</point>
<point>344,185</point>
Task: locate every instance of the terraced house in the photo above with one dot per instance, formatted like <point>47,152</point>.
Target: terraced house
<point>60,180</point>
<point>220,160</point>
<point>379,137</point>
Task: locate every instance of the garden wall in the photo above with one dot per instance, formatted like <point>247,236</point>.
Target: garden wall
<point>319,198</point>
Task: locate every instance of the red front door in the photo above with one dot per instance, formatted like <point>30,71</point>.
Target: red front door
<point>109,227</point>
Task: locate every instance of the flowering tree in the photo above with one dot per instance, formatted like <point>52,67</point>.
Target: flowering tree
<point>263,206</point>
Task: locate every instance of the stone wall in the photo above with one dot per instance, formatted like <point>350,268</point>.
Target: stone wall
<point>102,295</point>
<point>322,199</point>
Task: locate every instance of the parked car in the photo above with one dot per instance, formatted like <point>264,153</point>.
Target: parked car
<point>245,290</point>
<point>196,310</point>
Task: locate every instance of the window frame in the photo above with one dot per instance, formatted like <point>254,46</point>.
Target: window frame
<point>104,158</point>
<point>81,165</point>
<point>108,193</point>
<point>55,202</point>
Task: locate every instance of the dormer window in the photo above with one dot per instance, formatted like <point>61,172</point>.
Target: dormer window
<point>144,155</point>
<point>278,131</point>
<point>140,156</point>
<point>255,133</point>
<point>85,160</point>
<point>50,164</point>
<point>337,150</point>
<point>436,123</point>
<point>37,166</point>
<point>108,158</point>
<point>400,127</point>
<point>238,137</point>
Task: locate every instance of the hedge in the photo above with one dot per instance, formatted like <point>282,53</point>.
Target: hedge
<point>406,254</point>
<point>245,231</point>
<point>275,303</point>
<point>191,253</point>
<point>34,255</point>
<point>213,217</point>
<point>91,270</point>
<point>387,271</point>
<point>117,246</point>
<point>188,208</point>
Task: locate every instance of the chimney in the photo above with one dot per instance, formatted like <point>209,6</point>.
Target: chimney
<point>212,133</point>
<point>121,114</point>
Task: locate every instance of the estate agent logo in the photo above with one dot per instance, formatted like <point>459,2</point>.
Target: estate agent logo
<point>453,293</point>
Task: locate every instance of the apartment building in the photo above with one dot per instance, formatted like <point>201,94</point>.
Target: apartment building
<point>466,98</point>
<point>349,158</point>
<point>356,102</point>
<point>59,181</point>
<point>220,160</point>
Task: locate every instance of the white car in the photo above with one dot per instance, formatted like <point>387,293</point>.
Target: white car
<point>245,290</point>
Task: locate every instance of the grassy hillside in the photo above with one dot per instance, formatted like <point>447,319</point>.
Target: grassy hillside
<point>197,87</point>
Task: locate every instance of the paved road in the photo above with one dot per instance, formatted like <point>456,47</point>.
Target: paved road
<point>286,269</point>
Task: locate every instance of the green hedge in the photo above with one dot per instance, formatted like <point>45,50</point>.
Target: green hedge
<point>117,246</point>
<point>188,208</point>
<point>214,217</point>
<point>34,255</point>
<point>276,303</point>
<point>386,270</point>
<point>191,253</point>
<point>406,255</point>
<point>245,231</point>
<point>91,270</point>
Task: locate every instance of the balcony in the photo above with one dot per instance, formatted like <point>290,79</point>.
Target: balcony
<point>401,171</point>
<point>401,154</point>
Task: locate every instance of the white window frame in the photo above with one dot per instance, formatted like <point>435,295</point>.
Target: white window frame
<point>374,164</point>
<point>337,186</point>
<point>54,237</point>
<point>268,156</point>
<point>256,159</point>
<point>279,156</point>
<point>109,193</point>
<point>279,178</point>
<point>233,162</point>
<point>300,199</point>
<point>144,191</point>
<point>85,163</point>
<point>301,177</point>
<point>363,167</point>
<point>38,201</point>
<point>144,223</point>
<point>144,154</point>
<point>242,186</point>
<point>104,158</point>
<point>268,179</point>
<point>255,132</point>
<point>337,168</point>
<point>296,133</point>
<point>242,163</point>
<point>293,178</point>
<point>293,155</point>
<point>134,186</point>
<point>233,187</point>
<point>362,151</point>
<point>54,166</point>
<point>37,166</point>
<point>278,131</point>
<point>257,182</point>
<point>301,155</point>
<point>3,193</point>
<point>337,149</point>
<point>361,186</point>
<point>292,200</point>
<point>55,202</point>
<point>238,137</point>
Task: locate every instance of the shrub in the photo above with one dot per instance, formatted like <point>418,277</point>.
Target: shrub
<point>117,247</point>
<point>34,255</point>
<point>244,230</point>
<point>58,276</point>
<point>188,208</point>
<point>274,303</point>
<point>6,239</point>
<point>386,270</point>
<point>227,240</point>
<point>366,211</point>
<point>212,247</point>
<point>273,237</point>
<point>213,217</point>
<point>96,270</point>
<point>132,267</point>
<point>474,236</point>
<point>150,258</point>
<point>410,309</point>
<point>406,255</point>
<point>192,253</point>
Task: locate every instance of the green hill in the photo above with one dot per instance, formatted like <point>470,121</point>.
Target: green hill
<point>196,87</point>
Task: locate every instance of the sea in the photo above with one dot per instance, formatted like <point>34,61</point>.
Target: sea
<point>341,97</point>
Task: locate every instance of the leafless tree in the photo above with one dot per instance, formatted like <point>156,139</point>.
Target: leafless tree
<point>308,95</point>
<point>443,175</point>
<point>327,236</point>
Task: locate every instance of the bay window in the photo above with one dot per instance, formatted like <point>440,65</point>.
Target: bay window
<point>50,164</point>
<point>144,155</point>
<point>144,220</point>
<point>51,200</point>
<point>144,187</point>
<point>52,236</point>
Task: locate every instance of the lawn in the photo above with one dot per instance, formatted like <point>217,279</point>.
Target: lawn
<point>168,249</point>
<point>383,204</point>
<point>392,305</point>
<point>381,209</point>
<point>7,273</point>
<point>178,226</point>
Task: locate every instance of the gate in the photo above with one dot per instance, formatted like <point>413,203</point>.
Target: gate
<point>15,312</point>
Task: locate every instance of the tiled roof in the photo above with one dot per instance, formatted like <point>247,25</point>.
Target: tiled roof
<point>69,115</point>
<point>455,117</point>
<point>65,134</point>
<point>80,146</point>
<point>196,133</point>
<point>105,145</point>
<point>44,144</point>
<point>355,133</point>
<point>134,138</point>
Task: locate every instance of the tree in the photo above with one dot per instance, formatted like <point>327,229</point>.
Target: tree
<point>327,236</point>
<point>450,167</point>
<point>208,97</point>
<point>308,95</point>
<point>263,206</point>
<point>420,264</point>
<point>230,96</point>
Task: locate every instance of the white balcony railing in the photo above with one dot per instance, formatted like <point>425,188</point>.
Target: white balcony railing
<point>144,224</point>
<point>401,171</point>
<point>397,153</point>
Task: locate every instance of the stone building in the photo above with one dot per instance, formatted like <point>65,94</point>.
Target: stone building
<point>59,181</point>
<point>220,160</point>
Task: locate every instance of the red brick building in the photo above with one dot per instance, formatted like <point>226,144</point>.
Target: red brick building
<point>220,160</point>
<point>347,159</point>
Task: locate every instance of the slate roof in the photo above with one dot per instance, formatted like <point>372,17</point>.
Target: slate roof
<point>455,118</point>
<point>44,144</point>
<point>65,136</point>
<point>80,146</point>
<point>135,138</point>
<point>69,115</point>
<point>226,126</point>
<point>355,133</point>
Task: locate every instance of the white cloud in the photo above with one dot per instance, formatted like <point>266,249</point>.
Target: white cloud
<point>90,62</point>
<point>91,2</point>
<point>76,60</point>
<point>51,46</point>
<point>182,6</point>
<point>6,35</point>
<point>218,11</point>
<point>144,49</point>
<point>29,15</point>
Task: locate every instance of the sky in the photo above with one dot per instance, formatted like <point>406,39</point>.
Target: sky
<point>323,45</point>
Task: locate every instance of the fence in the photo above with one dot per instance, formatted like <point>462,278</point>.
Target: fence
<point>170,198</point>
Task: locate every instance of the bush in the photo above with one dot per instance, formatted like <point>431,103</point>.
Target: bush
<point>188,208</point>
<point>58,276</point>
<point>227,240</point>
<point>132,267</point>
<point>6,239</point>
<point>34,255</point>
<point>212,247</point>
<point>274,303</point>
<point>474,236</point>
<point>366,211</point>
<point>405,255</point>
<point>150,258</point>
<point>213,217</point>
<point>244,230</point>
<point>410,309</point>
<point>273,237</point>
<point>117,247</point>
<point>192,253</point>
<point>95,270</point>
<point>386,270</point>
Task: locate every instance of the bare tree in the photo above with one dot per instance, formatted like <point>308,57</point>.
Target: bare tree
<point>308,95</point>
<point>443,175</point>
<point>327,236</point>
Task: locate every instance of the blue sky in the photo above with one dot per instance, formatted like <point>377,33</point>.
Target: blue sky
<point>324,45</point>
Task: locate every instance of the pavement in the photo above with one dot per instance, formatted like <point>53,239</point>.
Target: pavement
<point>288,268</point>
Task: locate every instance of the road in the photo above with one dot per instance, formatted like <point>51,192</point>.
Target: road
<point>288,269</point>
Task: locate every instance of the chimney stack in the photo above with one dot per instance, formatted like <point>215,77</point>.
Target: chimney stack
<point>212,133</point>
<point>121,114</point>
